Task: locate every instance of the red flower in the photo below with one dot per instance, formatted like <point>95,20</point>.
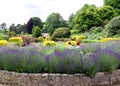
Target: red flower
<point>78,43</point>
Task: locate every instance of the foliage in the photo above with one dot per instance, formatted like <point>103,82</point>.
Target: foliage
<point>41,39</point>
<point>53,21</point>
<point>27,40</point>
<point>88,59</point>
<point>90,41</point>
<point>29,26</point>
<point>72,43</point>
<point>36,31</point>
<point>109,39</point>
<point>74,31</point>
<point>78,38</point>
<point>107,12</point>
<point>61,33</point>
<point>71,21</point>
<point>113,3</point>
<point>11,34</point>
<point>49,43</point>
<point>16,40</point>
<point>19,29</point>
<point>3,42</point>
<point>4,26</point>
<point>87,17</point>
<point>96,30</point>
<point>113,26</point>
<point>34,21</point>
<point>37,22</point>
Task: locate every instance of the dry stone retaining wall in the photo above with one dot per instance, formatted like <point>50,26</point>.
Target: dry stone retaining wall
<point>25,79</point>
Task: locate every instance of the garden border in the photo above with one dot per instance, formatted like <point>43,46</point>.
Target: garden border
<point>46,79</point>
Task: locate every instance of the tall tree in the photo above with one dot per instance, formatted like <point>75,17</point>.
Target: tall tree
<point>4,26</point>
<point>53,21</point>
<point>34,21</point>
<point>29,26</point>
<point>87,17</point>
<point>71,21</point>
<point>19,29</point>
<point>12,28</point>
<point>113,3</point>
<point>106,13</point>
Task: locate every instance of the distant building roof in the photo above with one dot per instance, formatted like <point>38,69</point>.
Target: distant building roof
<point>45,34</point>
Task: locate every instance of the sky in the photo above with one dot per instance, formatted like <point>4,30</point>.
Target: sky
<point>20,11</point>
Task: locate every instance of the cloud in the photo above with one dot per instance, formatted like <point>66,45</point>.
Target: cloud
<point>19,11</point>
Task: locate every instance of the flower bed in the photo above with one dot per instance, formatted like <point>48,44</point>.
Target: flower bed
<point>87,59</point>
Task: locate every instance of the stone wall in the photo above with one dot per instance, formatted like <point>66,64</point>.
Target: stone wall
<point>25,79</point>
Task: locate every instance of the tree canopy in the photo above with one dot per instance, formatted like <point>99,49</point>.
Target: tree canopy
<point>53,21</point>
<point>34,21</point>
<point>87,17</point>
<point>113,3</point>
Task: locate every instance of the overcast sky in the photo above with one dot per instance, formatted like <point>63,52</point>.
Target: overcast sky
<point>20,11</point>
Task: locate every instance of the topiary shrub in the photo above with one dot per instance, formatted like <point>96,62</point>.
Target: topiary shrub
<point>113,26</point>
<point>78,38</point>
<point>3,42</point>
<point>17,40</point>
<point>36,32</point>
<point>61,32</point>
<point>49,43</point>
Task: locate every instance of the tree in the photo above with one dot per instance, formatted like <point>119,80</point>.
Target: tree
<point>87,17</point>
<point>36,31</point>
<point>113,26</point>
<point>29,26</point>
<point>34,21</point>
<point>37,22</point>
<point>53,21</point>
<point>71,21</point>
<point>106,13</point>
<point>113,3</point>
<point>4,26</point>
<point>17,29</point>
<point>62,32</point>
<point>12,28</point>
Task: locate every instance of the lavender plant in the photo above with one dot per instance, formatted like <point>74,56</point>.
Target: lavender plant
<point>88,59</point>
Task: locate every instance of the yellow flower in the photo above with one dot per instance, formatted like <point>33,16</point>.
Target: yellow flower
<point>73,43</point>
<point>16,39</point>
<point>3,42</point>
<point>49,43</point>
<point>78,38</point>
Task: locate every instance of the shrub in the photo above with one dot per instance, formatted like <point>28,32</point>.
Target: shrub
<point>113,26</point>
<point>47,38</point>
<point>109,39</point>
<point>90,41</point>
<point>74,31</point>
<point>73,43</point>
<point>78,38</point>
<point>27,40</point>
<point>96,30</point>
<point>11,34</point>
<point>41,39</point>
<point>49,43</point>
<point>61,32</point>
<point>16,40</point>
<point>36,32</point>
<point>3,42</point>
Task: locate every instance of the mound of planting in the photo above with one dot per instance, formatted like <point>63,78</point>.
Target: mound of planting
<point>88,59</point>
